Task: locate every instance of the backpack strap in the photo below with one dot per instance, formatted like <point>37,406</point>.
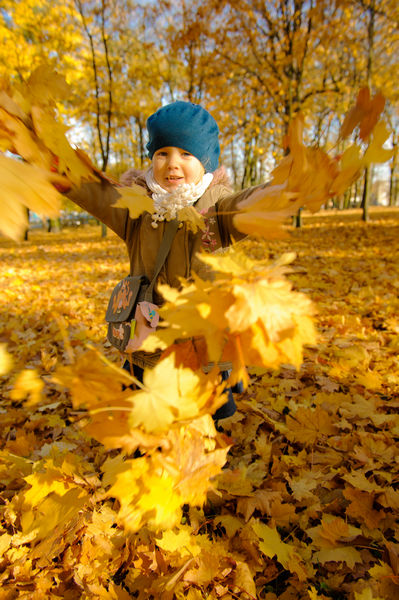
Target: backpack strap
<point>171,228</point>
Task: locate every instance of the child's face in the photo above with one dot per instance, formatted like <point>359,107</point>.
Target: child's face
<point>173,166</point>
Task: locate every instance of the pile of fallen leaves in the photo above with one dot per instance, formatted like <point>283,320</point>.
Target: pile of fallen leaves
<point>306,504</point>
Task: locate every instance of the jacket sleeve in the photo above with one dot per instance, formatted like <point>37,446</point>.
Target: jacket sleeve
<point>98,199</point>
<point>226,207</point>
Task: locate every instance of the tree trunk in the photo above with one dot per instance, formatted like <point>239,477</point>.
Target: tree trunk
<point>393,180</point>
<point>26,232</point>
<point>53,225</point>
<point>347,198</point>
<point>370,65</point>
<point>366,195</point>
<point>391,186</point>
<point>297,219</point>
<point>103,140</point>
<point>233,163</point>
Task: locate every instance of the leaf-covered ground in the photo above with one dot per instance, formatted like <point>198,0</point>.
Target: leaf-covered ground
<point>307,505</point>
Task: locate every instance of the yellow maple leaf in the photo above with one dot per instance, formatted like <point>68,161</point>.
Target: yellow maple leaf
<point>375,152</point>
<point>271,545</point>
<point>12,102</point>
<point>53,515</point>
<point>28,128</point>
<point>42,484</point>
<point>313,595</point>
<point>186,315</point>
<point>270,542</point>
<point>361,506</point>
<point>192,217</point>
<point>370,379</point>
<point>172,394</point>
<point>135,199</point>
<point>380,572</point>
<point>332,532</point>
<point>367,594</point>
<point>45,86</point>
<point>264,211</point>
<point>243,579</point>
<point>249,315</point>
<point>28,385</point>
<point>147,494</point>
<point>181,541</point>
<point>6,361</point>
<point>52,135</point>
<point>25,185</point>
<point>5,542</point>
<point>17,138</point>
<point>351,356</point>
<point>346,554</point>
<point>306,171</point>
<point>94,382</point>
<point>307,425</point>
<point>162,496</point>
<point>194,461</point>
<point>351,164</point>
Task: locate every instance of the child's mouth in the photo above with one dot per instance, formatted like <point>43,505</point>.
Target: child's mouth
<point>172,179</point>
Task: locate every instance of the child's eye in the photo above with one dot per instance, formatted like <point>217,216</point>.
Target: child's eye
<point>186,154</point>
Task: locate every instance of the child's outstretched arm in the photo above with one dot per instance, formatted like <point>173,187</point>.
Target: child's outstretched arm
<point>227,208</point>
<point>98,199</point>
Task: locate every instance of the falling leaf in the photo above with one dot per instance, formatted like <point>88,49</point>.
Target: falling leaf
<point>171,394</point>
<point>28,385</point>
<point>5,360</point>
<point>365,113</point>
<point>24,185</point>
<point>135,199</point>
<point>375,152</point>
<point>192,217</point>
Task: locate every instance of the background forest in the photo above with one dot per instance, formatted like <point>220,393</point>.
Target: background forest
<point>253,64</point>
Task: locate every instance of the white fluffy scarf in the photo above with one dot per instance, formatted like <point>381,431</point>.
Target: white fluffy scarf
<point>167,204</point>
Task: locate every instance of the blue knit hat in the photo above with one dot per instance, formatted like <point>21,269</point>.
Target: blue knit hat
<point>188,126</point>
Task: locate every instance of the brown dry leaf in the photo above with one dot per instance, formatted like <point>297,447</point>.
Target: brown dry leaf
<point>365,113</point>
<point>361,506</point>
<point>307,425</point>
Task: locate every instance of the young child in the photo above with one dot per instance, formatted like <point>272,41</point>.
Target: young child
<point>184,149</point>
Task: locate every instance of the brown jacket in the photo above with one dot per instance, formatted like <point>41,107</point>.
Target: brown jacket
<point>143,240</point>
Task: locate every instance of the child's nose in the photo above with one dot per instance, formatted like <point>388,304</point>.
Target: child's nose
<point>173,160</point>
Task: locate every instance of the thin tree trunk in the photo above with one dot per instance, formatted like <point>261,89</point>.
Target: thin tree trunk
<point>26,233</point>
<point>370,62</point>
<point>366,195</point>
<point>104,145</point>
<point>297,219</point>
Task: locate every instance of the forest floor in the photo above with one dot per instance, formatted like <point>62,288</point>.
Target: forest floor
<point>306,506</point>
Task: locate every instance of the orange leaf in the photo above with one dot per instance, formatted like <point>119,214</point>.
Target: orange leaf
<point>361,506</point>
<point>365,113</point>
<point>307,425</point>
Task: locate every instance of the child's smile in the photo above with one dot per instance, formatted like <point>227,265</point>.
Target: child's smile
<point>173,166</point>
